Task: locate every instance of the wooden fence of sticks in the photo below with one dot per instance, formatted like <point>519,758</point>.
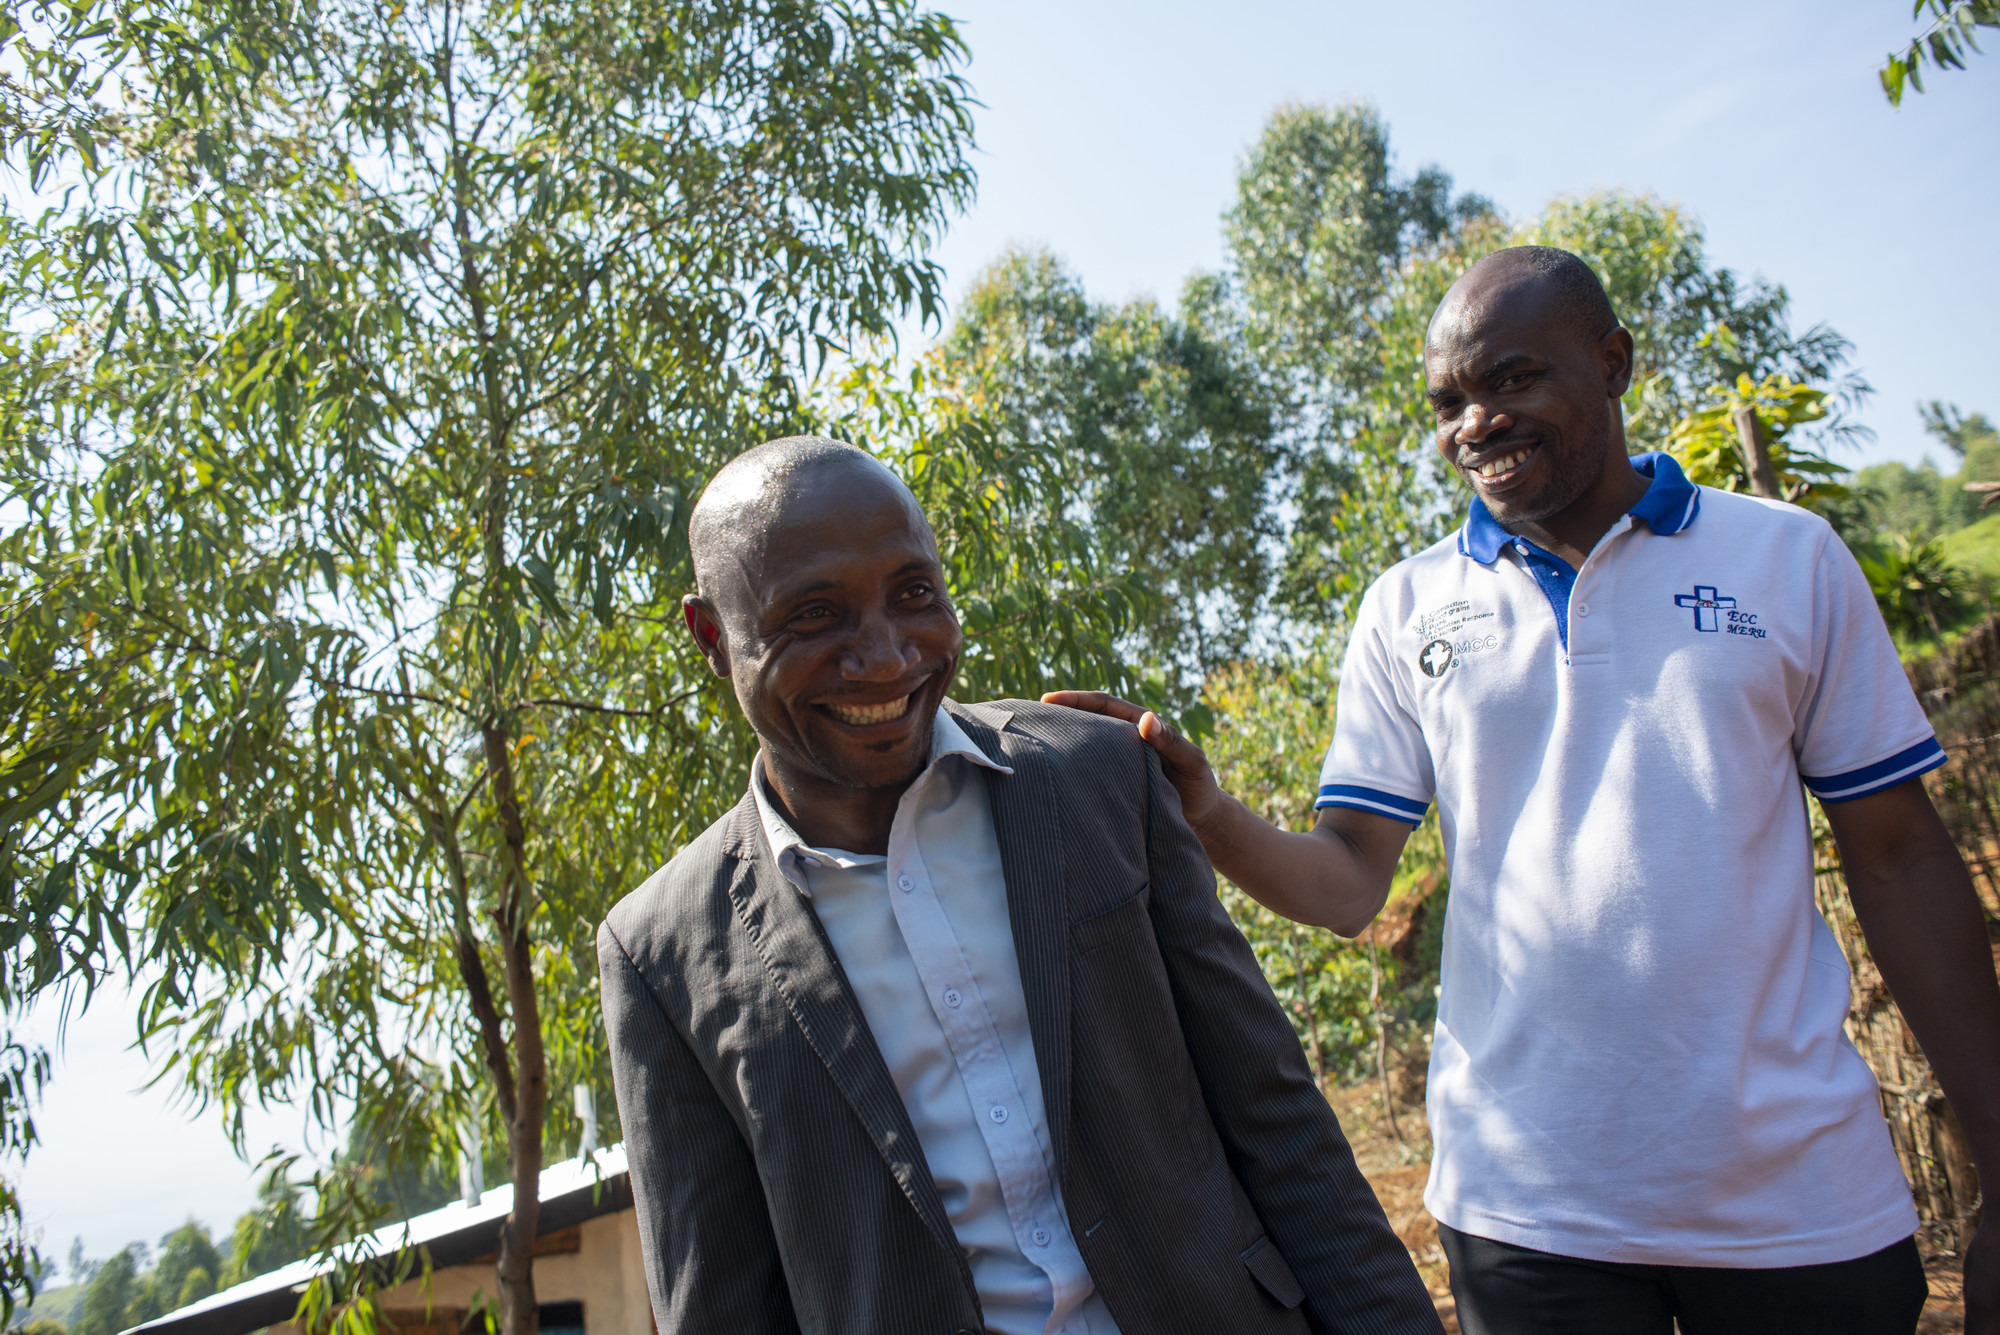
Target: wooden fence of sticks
<point>1960,690</point>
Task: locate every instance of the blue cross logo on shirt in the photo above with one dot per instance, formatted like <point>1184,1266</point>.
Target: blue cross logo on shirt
<point>1708,608</point>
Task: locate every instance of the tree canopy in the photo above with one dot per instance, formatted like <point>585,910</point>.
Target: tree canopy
<point>1168,446</point>
<point>361,395</point>
<point>353,407</point>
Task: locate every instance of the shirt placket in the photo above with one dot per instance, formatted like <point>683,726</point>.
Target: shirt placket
<point>1026,1184</point>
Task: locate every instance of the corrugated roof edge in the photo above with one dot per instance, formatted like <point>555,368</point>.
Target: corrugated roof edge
<point>571,1192</point>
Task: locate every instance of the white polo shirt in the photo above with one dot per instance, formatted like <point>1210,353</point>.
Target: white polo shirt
<point>1639,1054</point>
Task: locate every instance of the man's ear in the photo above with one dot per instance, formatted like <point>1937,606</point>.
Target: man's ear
<point>706,627</point>
<point>1615,352</point>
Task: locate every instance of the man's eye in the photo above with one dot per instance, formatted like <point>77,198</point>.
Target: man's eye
<point>917,591</point>
<point>1511,381</point>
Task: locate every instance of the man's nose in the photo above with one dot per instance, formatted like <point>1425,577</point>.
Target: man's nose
<point>878,651</point>
<point>1478,422</point>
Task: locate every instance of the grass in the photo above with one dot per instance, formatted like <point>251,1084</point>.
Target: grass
<point>1976,549</point>
<point>1975,552</point>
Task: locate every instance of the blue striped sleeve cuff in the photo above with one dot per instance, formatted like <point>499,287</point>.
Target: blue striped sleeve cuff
<point>1372,799</point>
<point>1925,756</point>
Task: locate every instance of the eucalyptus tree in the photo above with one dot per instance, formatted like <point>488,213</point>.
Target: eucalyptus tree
<point>1319,228</point>
<point>1166,445</point>
<point>1696,326</point>
<point>1321,241</point>
<point>1950,34</point>
<point>370,376</point>
<point>1196,438</point>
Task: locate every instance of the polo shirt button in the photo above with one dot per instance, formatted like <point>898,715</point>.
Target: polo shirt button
<point>998,1113</point>
<point>1041,1237</point>
<point>904,883</point>
<point>1583,609</point>
<point>952,996</point>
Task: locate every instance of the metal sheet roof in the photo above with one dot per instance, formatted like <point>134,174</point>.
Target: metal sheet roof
<point>571,1192</point>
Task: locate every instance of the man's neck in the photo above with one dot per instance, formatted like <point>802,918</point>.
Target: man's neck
<point>831,815</point>
<point>1574,532</point>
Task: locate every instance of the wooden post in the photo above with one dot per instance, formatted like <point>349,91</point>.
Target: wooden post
<point>1756,454</point>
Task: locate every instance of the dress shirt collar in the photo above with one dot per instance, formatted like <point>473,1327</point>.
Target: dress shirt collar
<point>1669,505</point>
<point>947,739</point>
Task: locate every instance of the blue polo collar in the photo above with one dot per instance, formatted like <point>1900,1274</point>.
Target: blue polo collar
<point>1669,505</point>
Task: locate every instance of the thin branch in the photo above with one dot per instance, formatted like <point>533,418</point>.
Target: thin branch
<point>556,702</point>
<point>458,812</point>
<point>193,643</point>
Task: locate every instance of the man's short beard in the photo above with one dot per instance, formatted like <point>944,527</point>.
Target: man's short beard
<point>1570,477</point>
<point>918,765</point>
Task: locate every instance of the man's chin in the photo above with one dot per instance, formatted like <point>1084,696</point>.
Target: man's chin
<point>1513,508</point>
<point>1519,509</point>
<point>895,765</point>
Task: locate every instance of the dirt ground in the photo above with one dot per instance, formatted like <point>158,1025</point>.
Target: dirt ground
<point>1397,1169</point>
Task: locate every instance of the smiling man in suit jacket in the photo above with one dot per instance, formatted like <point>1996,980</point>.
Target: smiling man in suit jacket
<point>942,1029</point>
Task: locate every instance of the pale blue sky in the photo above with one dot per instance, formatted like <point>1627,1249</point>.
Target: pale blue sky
<point>1112,133</point>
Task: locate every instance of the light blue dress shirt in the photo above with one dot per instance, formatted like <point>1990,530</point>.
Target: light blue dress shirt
<point>924,938</point>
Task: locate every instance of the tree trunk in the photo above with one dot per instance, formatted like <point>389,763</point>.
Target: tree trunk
<point>1381,1040</point>
<point>519,1314</point>
<point>527,1112</point>
<point>1930,619</point>
<point>1756,454</point>
<point>527,1118</point>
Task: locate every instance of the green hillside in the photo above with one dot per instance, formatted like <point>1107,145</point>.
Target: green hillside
<point>1976,548</point>
<point>62,1305</point>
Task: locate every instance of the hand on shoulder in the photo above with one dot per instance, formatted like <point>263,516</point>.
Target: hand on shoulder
<point>1186,765</point>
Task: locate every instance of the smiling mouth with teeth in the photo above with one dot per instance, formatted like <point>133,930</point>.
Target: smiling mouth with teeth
<point>1506,463</point>
<point>861,715</point>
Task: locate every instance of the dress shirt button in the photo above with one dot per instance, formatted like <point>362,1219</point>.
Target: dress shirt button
<point>952,996</point>
<point>1521,547</point>
<point>998,1113</point>
<point>1583,609</point>
<point>905,883</point>
<point>1041,1237</point>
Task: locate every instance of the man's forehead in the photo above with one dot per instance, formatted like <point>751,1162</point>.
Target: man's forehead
<point>745,508</point>
<point>1478,326</point>
<point>827,535</point>
<point>833,543</point>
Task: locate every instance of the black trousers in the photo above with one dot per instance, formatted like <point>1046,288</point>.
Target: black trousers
<point>1502,1289</point>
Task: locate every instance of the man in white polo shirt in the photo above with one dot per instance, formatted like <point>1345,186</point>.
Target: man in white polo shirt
<point>1614,684</point>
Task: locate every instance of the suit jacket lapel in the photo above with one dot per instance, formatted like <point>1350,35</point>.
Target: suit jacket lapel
<point>1027,823</point>
<point>808,976</point>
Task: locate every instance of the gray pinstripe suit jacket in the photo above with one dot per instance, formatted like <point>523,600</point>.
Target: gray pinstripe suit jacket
<point>779,1184</point>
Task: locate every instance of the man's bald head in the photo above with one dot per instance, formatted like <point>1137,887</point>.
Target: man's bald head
<point>1569,287</point>
<point>823,600</point>
<point>1524,366</point>
<point>743,503</point>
